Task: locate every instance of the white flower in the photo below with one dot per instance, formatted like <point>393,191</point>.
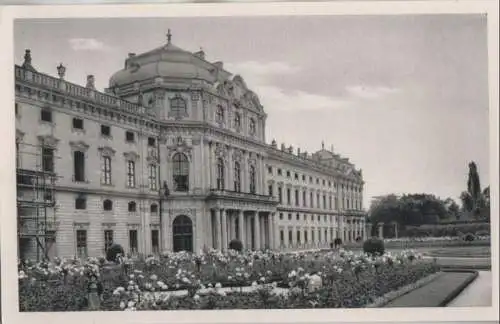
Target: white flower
<point>131,304</point>
<point>122,304</point>
<point>254,284</point>
<point>218,285</point>
<point>196,297</point>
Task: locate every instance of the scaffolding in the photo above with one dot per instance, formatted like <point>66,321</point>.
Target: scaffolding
<point>36,205</point>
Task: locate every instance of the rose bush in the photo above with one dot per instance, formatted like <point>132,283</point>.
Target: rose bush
<point>216,280</point>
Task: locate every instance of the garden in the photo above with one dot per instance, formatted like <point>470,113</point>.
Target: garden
<point>214,280</point>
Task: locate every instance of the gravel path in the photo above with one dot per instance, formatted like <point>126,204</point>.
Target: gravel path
<point>477,294</point>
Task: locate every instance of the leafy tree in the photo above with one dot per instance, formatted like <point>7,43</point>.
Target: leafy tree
<point>475,201</point>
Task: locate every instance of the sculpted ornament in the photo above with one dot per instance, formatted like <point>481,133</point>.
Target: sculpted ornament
<point>179,145</point>
<point>220,150</point>
<point>237,155</point>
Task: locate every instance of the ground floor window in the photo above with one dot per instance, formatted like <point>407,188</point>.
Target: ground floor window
<point>133,241</point>
<point>81,243</point>
<point>108,239</point>
<point>155,241</point>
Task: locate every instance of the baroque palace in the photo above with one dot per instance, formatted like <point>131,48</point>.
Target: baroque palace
<point>171,157</point>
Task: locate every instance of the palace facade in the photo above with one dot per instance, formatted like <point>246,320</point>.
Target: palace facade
<point>172,156</point>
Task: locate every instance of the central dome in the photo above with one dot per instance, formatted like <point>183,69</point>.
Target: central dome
<point>167,61</point>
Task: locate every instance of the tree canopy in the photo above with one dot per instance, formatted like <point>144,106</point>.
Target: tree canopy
<point>411,209</point>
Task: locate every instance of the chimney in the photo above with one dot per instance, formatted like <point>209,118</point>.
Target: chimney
<point>273,144</point>
<point>282,146</point>
<point>90,82</point>
<point>290,149</point>
<point>219,65</point>
<point>298,151</point>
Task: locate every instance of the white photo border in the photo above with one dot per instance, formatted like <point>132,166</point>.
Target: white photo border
<point>9,283</point>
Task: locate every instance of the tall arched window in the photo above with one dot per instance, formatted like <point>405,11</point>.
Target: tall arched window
<point>107,205</point>
<point>237,177</point>
<point>252,179</point>
<point>178,107</point>
<point>219,114</point>
<point>132,207</point>
<point>181,172</point>
<point>220,174</point>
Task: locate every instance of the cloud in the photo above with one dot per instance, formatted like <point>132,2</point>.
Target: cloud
<point>365,92</point>
<point>87,44</point>
<point>280,99</point>
<point>256,73</point>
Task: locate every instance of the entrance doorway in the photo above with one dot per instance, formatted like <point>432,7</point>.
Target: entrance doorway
<point>182,234</point>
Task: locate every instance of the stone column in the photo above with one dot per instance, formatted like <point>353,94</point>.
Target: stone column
<point>248,232</point>
<point>263,176</point>
<point>229,182</point>
<point>256,224</point>
<point>381,231</point>
<point>271,230</point>
<point>218,229</point>
<point>263,235</point>
<point>241,228</point>
<point>212,167</point>
<point>224,229</point>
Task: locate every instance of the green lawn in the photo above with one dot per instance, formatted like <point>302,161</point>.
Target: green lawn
<point>465,252</point>
<point>434,293</point>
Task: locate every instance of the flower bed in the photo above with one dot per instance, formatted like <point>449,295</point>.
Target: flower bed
<point>321,280</point>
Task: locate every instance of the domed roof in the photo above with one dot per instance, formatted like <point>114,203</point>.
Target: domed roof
<point>165,61</point>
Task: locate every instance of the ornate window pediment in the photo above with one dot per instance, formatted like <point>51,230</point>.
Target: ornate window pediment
<point>107,151</point>
<point>48,140</point>
<point>178,107</point>
<point>79,146</point>
<point>131,156</point>
<point>179,146</point>
<point>221,151</point>
<point>237,155</point>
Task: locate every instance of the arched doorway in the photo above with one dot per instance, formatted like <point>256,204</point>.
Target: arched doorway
<point>182,228</point>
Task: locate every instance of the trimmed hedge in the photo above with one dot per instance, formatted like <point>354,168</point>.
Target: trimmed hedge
<point>374,246</point>
<point>446,230</point>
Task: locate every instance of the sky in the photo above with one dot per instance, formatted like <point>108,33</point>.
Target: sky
<point>404,97</point>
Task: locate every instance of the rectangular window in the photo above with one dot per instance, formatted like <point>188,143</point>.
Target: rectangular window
<point>282,237</point>
<point>155,241</point>
<point>270,190</point>
<point>131,174</point>
<point>311,200</point>
<point>81,243</point>
<point>324,202</point>
<point>153,181</point>
<point>289,216</point>
<point>288,196</point>
<point>105,130</point>
<point>77,123</point>
<point>330,203</point>
<point>79,166</point>
<point>106,170</point>
<point>304,196</point>
<point>270,170</point>
<point>81,203</point>
<point>290,237</point>
<point>279,172</point>
<point>297,200</point>
<point>46,115</point>
<point>133,241</point>
<point>280,195</point>
<point>298,237</point>
<point>17,109</point>
<point>296,176</point>
<point>317,201</point>
<point>108,239</point>
<point>305,236</point>
<point>129,136</point>
<point>48,159</point>
<point>298,216</point>
<point>151,142</point>
<point>288,174</point>
<point>281,216</point>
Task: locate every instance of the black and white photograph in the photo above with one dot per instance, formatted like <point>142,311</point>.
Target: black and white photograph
<point>287,162</point>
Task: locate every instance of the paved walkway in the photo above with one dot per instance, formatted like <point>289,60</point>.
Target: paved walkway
<point>477,294</point>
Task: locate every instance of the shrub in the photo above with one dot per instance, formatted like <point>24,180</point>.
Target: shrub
<point>469,237</point>
<point>113,251</point>
<point>374,246</point>
<point>337,241</point>
<point>236,245</point>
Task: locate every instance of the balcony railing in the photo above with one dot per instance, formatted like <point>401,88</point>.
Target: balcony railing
<point>222,193</point>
